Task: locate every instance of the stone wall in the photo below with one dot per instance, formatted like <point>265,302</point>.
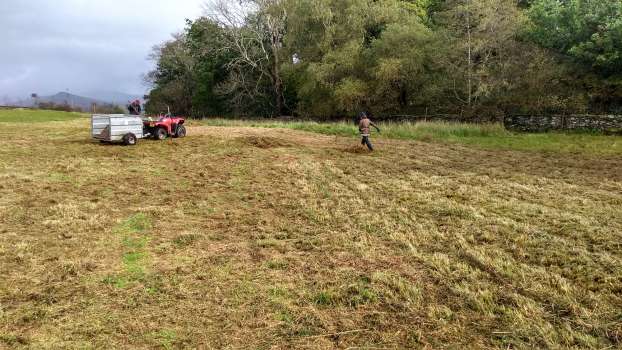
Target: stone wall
<point>530,123</point>
<point>448,118</point>
<point>609,124</point>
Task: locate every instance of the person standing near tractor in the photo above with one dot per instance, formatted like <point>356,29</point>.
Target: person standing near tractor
<point>365,128</point>
<point>134,108</point>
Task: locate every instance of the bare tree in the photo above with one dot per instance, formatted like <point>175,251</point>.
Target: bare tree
<point>483,37</point>
<point>274,18</point>
<point>254,32</point>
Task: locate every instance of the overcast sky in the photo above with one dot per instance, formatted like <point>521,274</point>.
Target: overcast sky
<point>47,46</point>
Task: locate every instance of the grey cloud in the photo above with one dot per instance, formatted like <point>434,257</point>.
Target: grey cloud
<point>83,45</point>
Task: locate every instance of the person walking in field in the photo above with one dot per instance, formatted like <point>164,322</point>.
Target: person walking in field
<point>365,127</point>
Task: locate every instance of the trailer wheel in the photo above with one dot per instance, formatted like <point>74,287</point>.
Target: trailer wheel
<point>160,134</point>
<point>181,131</point>
<point>129,139</point>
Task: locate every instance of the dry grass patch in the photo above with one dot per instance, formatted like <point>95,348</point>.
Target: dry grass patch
<point>265,142</point>
<point>356,149</point>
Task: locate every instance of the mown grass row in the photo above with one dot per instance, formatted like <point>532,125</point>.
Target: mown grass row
<point>134,242</point>
<point>487,136</point>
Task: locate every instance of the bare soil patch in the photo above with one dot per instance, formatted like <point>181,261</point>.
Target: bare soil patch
<point>356,149</point>
<point>265,142</point>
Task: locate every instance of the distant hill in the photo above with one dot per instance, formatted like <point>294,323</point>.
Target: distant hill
<point>75,101</point>
<point>84,103</point>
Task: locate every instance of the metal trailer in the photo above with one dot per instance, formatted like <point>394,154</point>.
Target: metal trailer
<point>117,128</point>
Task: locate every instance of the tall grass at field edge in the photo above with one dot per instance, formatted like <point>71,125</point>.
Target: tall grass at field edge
<point>401,130</point>
<point>487,136</point>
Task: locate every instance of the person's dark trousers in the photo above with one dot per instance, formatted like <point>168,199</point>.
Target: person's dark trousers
<point>367,143</point>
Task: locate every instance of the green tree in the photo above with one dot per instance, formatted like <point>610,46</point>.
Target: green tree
<point>173,78</point>
<point>488,67</point>
<point>205,38</point>
<point>589,33</point>
<point>357,54</point>
<point>189,71</point>
<point>329,58</point>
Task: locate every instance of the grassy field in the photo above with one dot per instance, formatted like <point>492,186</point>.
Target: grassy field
<point>240,237</point>
<point>36,116</point>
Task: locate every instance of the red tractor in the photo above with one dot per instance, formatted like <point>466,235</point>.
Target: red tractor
<point>165,126</point>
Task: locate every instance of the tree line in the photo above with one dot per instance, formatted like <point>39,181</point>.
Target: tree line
<point>103,108</point>
<point>330,58</point>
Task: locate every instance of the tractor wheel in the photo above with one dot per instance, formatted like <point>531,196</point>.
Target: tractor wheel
<point>181,132</point>
<point>160,134</point>
<point>129,139</point>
